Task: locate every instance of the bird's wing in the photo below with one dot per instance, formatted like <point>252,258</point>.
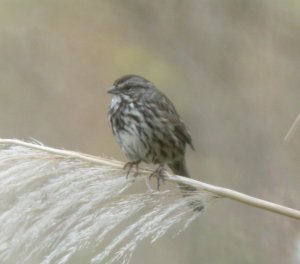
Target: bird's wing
<point>166,108</point>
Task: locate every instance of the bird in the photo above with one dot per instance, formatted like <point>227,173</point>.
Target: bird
<point>148,128</point>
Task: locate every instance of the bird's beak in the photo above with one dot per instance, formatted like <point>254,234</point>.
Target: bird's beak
<point>113,90</point>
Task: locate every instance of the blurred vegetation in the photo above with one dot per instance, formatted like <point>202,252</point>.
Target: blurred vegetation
<point>232,69</point>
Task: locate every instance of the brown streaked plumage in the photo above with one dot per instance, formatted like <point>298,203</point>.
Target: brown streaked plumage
<point>147,126</point>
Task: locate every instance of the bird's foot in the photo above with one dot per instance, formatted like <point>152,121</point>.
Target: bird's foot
<point>159,174</point>
<point>128,166</point>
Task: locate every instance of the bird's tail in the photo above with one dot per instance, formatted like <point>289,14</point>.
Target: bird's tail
<point>179,168</point>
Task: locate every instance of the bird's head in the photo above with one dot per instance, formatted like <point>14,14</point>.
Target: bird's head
<point>130,87</point>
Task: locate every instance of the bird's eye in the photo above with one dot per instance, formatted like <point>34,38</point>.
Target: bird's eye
<point>126,88</point>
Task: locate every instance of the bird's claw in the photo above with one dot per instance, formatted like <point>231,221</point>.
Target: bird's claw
<point>128,166</point>
<point>159,174</point>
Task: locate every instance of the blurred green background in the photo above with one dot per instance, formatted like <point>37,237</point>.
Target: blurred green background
<point>231,67</point>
